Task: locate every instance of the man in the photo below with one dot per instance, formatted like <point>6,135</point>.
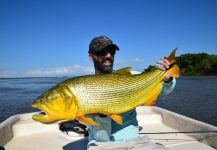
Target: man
<point>110,135</point>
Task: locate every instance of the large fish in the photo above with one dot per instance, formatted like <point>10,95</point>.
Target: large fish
<point>109,94</point>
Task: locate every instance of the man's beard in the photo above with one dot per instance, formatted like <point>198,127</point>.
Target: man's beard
<point>106,66</point>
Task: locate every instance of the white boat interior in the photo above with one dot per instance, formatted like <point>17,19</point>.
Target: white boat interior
<point>175,131</point>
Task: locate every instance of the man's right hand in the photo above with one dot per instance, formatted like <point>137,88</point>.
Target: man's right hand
<point>164,64</point>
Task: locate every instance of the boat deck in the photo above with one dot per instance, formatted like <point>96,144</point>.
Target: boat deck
<point>20,132</point>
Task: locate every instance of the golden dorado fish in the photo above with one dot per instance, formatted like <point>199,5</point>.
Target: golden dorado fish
<point>109,94</point>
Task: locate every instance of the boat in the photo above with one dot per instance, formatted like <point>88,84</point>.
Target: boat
<point>175,131</point>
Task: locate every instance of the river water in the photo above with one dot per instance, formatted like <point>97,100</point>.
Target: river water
<point>195,97</point>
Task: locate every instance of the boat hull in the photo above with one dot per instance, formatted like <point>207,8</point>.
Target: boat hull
<point>20,132</point>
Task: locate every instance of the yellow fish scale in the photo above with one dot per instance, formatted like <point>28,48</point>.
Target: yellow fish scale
<point>113,93</point>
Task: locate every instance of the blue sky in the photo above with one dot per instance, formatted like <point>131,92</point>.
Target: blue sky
<point>51,37</point>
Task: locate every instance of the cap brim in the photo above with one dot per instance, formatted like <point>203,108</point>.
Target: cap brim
<point>111,46</point>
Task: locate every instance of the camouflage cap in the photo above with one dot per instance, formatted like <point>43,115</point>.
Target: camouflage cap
<point>100,43</point>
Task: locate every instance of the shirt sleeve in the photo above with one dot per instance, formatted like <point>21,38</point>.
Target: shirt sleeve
<point>168,87</point>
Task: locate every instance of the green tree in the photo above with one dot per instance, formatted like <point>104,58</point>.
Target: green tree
<point>196,64</point>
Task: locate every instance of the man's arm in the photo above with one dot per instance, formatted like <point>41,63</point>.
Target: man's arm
<point>168,87</point>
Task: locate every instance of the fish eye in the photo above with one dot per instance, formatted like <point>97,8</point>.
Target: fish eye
<point>41,101</point>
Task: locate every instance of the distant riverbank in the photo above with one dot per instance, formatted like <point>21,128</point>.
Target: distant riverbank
<point>201,64</point>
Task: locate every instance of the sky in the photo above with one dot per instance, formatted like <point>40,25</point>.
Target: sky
<point>46,38</point>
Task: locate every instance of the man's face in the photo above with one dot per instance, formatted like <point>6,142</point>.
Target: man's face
<point>103,61</point>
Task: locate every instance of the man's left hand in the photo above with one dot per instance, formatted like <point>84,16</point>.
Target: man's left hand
<point>164,64</point>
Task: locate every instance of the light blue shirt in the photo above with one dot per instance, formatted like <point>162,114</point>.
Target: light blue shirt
<point>108,130</point>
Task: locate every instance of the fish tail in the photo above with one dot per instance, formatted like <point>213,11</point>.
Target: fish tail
<point>172,57</point>
<point>174,68</point>
<point>175,72</point>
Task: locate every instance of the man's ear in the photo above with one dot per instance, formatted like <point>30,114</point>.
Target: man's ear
<point>91,57</point>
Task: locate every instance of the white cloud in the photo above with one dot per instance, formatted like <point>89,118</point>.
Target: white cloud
<point>120,62</point>
<point>130,61</point>
<point>135,72</point>
<point>61,71</point>
<point>136,60</point>
<point>58,71</point>
<point>6,73</point>
<point>66,70</point>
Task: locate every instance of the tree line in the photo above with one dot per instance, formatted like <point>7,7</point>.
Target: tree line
<point>195,64</point>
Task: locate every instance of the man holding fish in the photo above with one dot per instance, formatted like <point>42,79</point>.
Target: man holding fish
<point>109,134</point>
<point>114,94</point>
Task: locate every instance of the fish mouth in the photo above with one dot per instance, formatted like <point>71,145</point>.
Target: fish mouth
<point>41,116</point>
<point>44,116</point>
<point>43,111</point>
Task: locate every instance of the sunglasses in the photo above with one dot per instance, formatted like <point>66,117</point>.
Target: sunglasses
<point>105,52</point>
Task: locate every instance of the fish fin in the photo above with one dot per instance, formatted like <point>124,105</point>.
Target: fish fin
<point>150,103</point>
<point>171,58</point>
<point>174,69</point>
<point>116,118</point>
<point>123,71</point>
<point>88,121</point>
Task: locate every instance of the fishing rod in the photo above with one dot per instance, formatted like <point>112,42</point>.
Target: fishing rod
<point>177,132</point>
<point>213,133</point>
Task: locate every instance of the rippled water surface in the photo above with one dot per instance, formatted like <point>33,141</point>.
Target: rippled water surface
<point>195,97</point>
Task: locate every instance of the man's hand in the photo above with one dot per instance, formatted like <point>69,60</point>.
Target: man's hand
<point>164,64</point>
